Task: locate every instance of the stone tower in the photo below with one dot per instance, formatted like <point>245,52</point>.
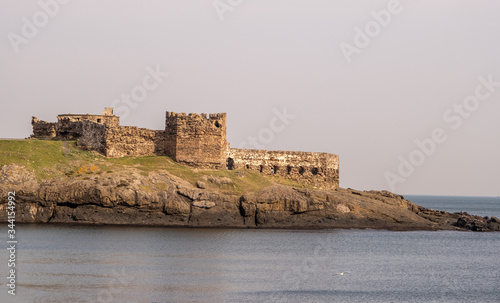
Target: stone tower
<point>196,139</point>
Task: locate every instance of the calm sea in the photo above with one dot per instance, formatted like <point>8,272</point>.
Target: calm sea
<point>481,206</point>
<point>57,263</point>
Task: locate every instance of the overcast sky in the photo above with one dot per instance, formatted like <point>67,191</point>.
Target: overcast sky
<point>362,79</point>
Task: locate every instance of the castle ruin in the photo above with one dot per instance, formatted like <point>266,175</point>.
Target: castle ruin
<point>194,139</point>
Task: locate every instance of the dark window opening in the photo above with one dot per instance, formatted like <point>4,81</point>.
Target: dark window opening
<point>314,170</point>
<point>230,164</point>
<point>77,119</point>
<point>247,166</point>
<point>288,169</point>
<point>275,169</point>
<point>98,120</point>
<point>261,168</point>
<point>217,124</point>
<point>301,170</point>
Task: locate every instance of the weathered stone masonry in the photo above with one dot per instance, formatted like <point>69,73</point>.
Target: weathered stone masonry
<point>69,126</point>
<point>316,169</point>
<point>121,141</point>
<point>194,139</point>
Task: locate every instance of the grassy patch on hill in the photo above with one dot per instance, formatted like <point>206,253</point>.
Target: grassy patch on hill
<point>52,159</point>
<point>241,181</point>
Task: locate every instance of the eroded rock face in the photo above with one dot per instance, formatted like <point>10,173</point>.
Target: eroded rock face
<point>204,204</point>
<point>278,198</point>
<point>159,198</point>
<point>342,208</point>
<point>16,177</point>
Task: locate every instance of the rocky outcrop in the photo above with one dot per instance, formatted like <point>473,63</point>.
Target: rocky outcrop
<point>158,198</point>
<point>476,223</point>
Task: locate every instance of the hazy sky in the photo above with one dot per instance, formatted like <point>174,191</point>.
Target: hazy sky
<point>362,79</point>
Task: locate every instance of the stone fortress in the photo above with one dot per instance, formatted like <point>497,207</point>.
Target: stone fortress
<point>197,140</point>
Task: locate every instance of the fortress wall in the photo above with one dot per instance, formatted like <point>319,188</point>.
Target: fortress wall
<point>171,129</point>
<point>159,141</point>
<point>92,137</point>
<point>196,139</point>
<point>68,130</point>
<point>43,129</point>
<point>120,141</point>
<point>108,120</point>
<point>130,141</point>
<point>317,169</point>
<point>69,127</point>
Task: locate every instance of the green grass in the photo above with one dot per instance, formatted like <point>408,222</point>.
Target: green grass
<point>243,181</point>
<point>52,159</point>
<point>49,159</point>
<point>42,157</point>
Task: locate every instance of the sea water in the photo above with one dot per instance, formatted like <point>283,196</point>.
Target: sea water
<point>63,263</point>
<point>481,206</point>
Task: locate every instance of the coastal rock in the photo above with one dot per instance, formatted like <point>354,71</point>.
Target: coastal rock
<point>278,198</point>
<point>477,223</point>
<point>342,208</point>
<point>159,198</point>
<point>18,178</point>
<point>204,204</point>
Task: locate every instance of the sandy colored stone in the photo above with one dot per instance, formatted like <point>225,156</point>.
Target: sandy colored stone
<point>197,140</point>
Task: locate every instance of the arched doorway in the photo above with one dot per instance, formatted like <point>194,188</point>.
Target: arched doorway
<point>230,164</point>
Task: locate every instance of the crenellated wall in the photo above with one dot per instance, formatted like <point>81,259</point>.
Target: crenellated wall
<point>196,139</point>
<point>316,169</point>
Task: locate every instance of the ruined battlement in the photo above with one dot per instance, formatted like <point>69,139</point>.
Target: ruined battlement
<point>68,126</point>
<point>192,115</point>
<point>194,139</point>
<point>43,129</point>
<point>106,118</point>
<point>315,169</point>
<point>121,141</point>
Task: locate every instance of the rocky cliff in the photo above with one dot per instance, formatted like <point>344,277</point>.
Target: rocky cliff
<point>157,197</point>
